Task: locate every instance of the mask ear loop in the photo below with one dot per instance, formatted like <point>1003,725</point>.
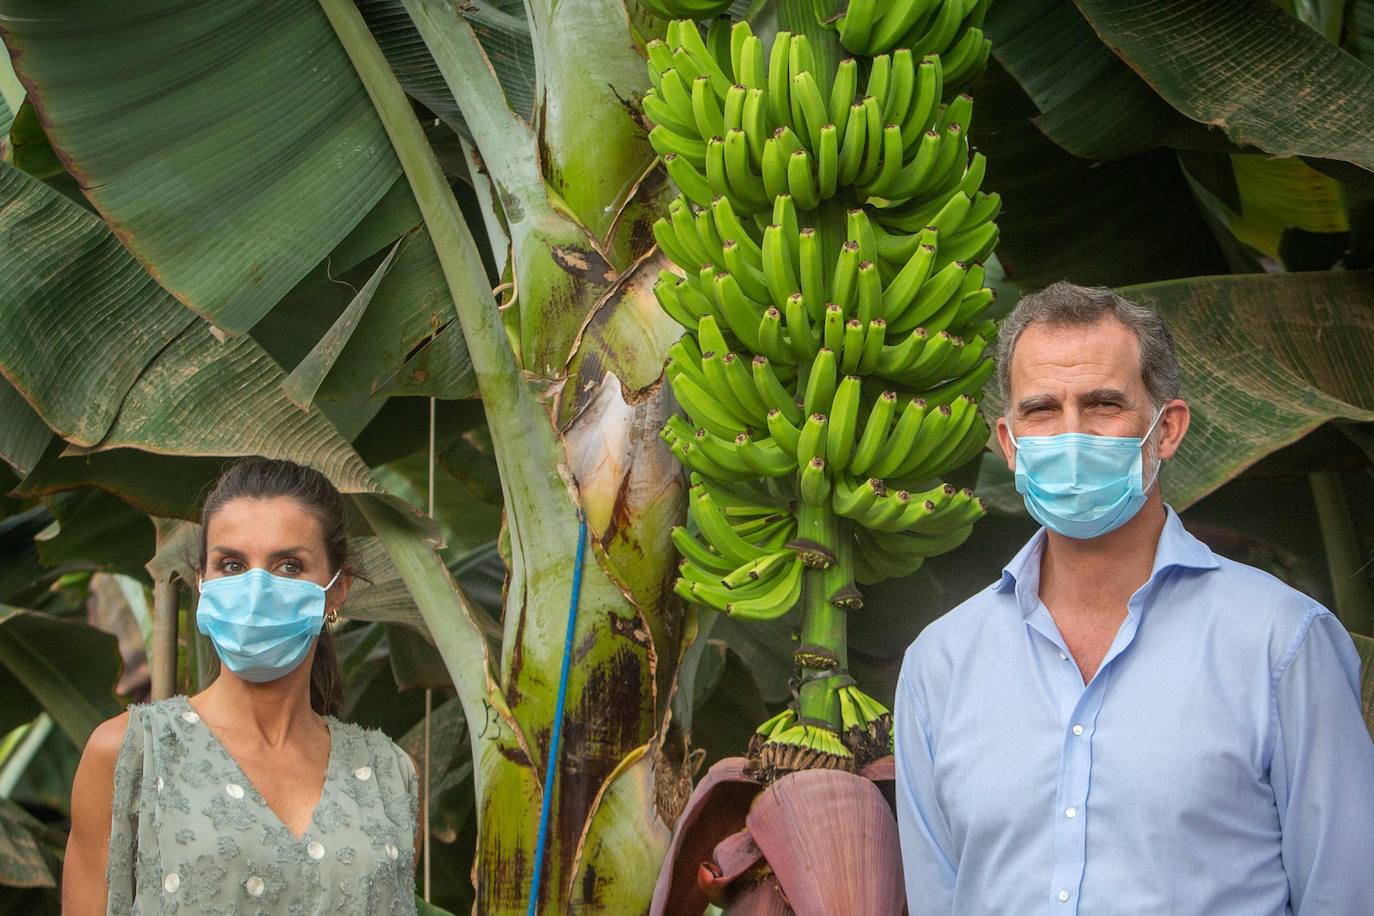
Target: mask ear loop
<point>1159,462</point>
<point>331,616</point>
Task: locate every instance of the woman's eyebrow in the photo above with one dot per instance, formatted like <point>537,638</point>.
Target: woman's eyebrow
<point>284,552</point>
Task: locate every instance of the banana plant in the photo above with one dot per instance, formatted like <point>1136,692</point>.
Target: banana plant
<point>828,241</point>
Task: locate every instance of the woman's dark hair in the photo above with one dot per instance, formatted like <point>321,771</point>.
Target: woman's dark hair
<point>266,478</point>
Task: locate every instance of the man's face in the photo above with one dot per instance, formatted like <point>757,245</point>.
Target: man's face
<point>1083,379</point>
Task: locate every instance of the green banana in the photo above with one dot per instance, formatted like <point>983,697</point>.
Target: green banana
<point>689,180</point>
<point>809,113</point>
<point>770,390</point>
<point>812,440</point>
<point>779,104</point>
<point>832,328</point>
<point>901,440</point>
<point>778,272</point>
<point>718,383</point>
<point>730,229</point>
<point>814,484</point>
<point>741,313</point>
<point>856,25</point>
<point>870,292</point>
<point>762,568</point>
<point>896,361</point>
<point>932,296</point>
<point>783,431</point>
<point>940,32</point>
<point>859,230</point>
<point>777,602</point>
<point>666,140</point>
<point>707,114</point>
<point>852,148</point>
<point>755,125</point>
<point>924,108</point>
<point>721,452</point>
<point>812,273</point>
<point>665,291</point>
<point>898,19</point>
<point>766,458</point>
<point>843,420</point>
<point>879,78</point>
<point>697,553</point>
<point>842,93</point>
<point>715,527</point>
<point>704,410</point>
<point>741,381</point>
<point>903,81</point>
<point>774,168</point>
<point>749,276</point>
<point>771,342</point>
<point>853,500</point>
<point>751,71</point>
<point>799,335</point>
<point>739,173</point>
<point>801,181</point>
<point>846,274</point>
<point>874,335</point>
<point>905,288</point>
<point>876,427</point>
<point>828,161</point>
<point>968,384</point>
<point>873,148</point>
<point>852,345</point>
<point>820,383</point>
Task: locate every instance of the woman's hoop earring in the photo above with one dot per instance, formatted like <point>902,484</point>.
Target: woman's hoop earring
<point>332,616</point>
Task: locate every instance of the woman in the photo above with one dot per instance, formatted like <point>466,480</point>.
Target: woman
<point>249,796</point>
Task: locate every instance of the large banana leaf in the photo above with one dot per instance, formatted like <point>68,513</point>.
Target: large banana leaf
<point>74,297</point>
<point>1091,103</point>
<point>61,667</point>
<point>1232,63</point>
<point>1266,359</point>
<point>1069,218</point>
<point>23,434</point>
<point>243,120</point>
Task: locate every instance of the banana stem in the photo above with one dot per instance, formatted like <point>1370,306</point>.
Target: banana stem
<point>823,624</point>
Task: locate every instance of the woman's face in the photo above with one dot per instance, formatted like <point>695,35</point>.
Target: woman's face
<point>276,534</point>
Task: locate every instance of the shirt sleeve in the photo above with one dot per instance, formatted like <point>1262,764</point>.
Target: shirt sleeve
<point>926,861</point>
<point>1322,772</point>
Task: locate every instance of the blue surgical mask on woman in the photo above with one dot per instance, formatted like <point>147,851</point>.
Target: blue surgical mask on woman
<point>262,625</point>
<point>1079,485</point>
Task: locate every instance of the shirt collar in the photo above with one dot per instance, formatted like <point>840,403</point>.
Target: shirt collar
<point>1176,548</point>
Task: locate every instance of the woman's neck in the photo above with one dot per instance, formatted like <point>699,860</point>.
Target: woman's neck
<point>270,712</point>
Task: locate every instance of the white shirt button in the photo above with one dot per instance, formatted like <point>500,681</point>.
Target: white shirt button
<point>190,716</point>
<point>391,851</point>
<point>253,886</point>
<point>1071,812</point>
<point>234,790</point>
<point>1078,729</point>
<point>1063,896</point>
<point>315,851</point>
<point>1063,657</point>
<point>171,883</point>
<point>363,773</point>
<point>159,783</point>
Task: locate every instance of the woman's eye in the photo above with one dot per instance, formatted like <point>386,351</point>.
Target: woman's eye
<point>290,567</point>
<point>231,566</point>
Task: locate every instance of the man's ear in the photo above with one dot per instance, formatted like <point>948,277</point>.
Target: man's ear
<point>1173,426</point>
<point>1004,439</point>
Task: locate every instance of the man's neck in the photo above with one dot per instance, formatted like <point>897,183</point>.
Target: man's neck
<point>1098,576</point>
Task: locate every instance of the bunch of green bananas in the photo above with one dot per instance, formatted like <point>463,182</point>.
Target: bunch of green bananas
<point>731,121</point>
<point>829,239</point>
<point>950,28</point>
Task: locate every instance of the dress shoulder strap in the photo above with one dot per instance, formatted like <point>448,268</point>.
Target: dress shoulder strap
<point>124,812</point>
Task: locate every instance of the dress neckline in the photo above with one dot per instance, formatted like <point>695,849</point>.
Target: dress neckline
<point>248,784</point>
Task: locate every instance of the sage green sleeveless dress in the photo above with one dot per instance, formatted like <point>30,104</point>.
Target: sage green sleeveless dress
<point>190,833</point>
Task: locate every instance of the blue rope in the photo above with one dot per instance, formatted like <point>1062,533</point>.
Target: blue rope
<point>552,765</point>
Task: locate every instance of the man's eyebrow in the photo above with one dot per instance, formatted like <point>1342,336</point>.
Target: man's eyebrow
<point>1036,400</point>
<point>1103,395</point>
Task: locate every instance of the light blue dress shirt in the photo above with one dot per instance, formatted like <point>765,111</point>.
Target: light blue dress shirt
<point>1216,764</point>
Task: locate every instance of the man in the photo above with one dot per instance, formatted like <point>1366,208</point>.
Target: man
<point>1125,723</point>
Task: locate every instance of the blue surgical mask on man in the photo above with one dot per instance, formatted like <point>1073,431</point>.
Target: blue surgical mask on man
<point>1080,485</point>
<point>261,625</point>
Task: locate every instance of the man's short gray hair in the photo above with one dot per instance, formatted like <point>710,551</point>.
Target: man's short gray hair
<point>1064,304</point>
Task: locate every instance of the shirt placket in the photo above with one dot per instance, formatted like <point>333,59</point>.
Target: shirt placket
<point>1079,706</point>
